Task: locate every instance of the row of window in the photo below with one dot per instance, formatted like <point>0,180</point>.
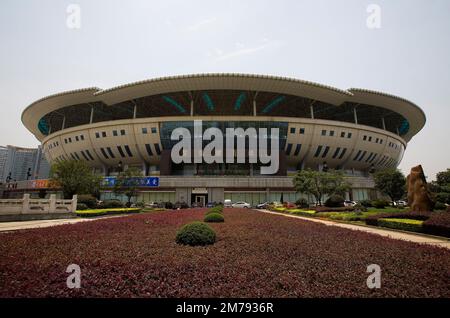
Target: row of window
<point>122,132</point>
<point>301,131</point>
<point>376,140</point>
<point>360,155</point>
<point>331,133</point>
<point>54,144</point>
<point>338,153</point>
<point>393,145</point>
<point>77,138</point>
<point>126,151</point>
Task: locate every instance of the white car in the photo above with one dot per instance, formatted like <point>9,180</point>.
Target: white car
<point>350,203</point>
<point>241,205</point>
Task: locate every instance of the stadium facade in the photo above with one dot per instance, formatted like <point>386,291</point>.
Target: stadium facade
<point>354,130</point>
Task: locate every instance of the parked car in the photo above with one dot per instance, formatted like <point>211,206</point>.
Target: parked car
<point>227,203</point>
<point>264,205</point>
<point>210,204</point>
<point>241,204</point>
<point>400,203</point>
<point>151,205</point>
<point>289,205</point>
<point>350,203</point>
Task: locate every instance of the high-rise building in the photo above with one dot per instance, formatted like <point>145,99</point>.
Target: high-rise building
<point>17,164</point>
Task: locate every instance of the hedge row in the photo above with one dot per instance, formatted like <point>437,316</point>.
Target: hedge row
<point>434,223</point>
<point>99,212</point>
<point>215,214</point>
<point>402,224</point>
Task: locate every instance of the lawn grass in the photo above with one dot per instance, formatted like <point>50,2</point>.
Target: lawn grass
<point>256,255</point>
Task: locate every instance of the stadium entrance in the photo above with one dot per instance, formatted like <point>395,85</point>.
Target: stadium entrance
<point>199,196</point>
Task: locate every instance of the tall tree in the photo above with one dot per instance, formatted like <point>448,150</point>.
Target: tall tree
<point>390,182</point>
<point>74,177</point>
<point>441,187</point>
<point>320,183</point>
<point>127,183</point>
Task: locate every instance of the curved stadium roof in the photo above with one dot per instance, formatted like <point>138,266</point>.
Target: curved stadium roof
<point>225,81</point>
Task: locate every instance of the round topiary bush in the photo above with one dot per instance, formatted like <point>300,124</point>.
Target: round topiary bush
<point>334,201</point>
<point>196,233</point>
<point>214,217</point>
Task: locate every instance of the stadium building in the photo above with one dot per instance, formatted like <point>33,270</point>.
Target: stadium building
<point>354,130</point>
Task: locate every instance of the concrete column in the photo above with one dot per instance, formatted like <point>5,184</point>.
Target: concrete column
<point>134,111</point>
<point>311,109</point>
<point>92,115</point>
<point>254,107</point>
<point>192,107</point>
<point>26,203</point>
<point>355,115</point>
<point>63,123</point>
<point>74,203</point>
<point>52,206</point>
<point>383,124</point>
<point>144,168</point>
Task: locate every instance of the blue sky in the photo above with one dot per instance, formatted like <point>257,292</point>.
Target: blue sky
<point>322,41</point>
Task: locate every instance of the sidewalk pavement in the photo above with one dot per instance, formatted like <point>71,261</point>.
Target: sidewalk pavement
<point>416,238</point>
<point>22,225</point>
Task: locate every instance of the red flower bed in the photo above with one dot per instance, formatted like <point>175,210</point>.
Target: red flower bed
<point>256,255</point>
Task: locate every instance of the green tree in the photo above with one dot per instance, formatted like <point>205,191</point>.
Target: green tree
<point>390,182</point>
<point>127,183</point>
<point>74,177</point>
<point>441,187</point>
<point>320,183</point>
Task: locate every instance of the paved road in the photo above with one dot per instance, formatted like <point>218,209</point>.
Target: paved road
<point>416,238</point>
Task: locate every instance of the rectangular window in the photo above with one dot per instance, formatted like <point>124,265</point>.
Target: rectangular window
<point>363,154</point>
<point>370,138</point>
<point>121,151</point>
<point>297,149</point>
<point>97,135</point>
<point>288,149</point>
<point>70,139</point>
<point>153,130</point>
<point>343,134</point>
<point>374,157</point>
<point>104,153</point>
<point>122,132</point>
<point>144,130</point>
<point>325,153</point>
<point>381,141</point>
<point>349,135</point>
<point>157,149</point>
<point>115,133</point>
<point>89,155</point>
<point>111,154</point>
<point>365,138</point>
<point>65,140</point>
<point>357,155</point>
<point>84,155</point>
<point>324,132</point>
<point>343,153</point>
<point>149,149</point>
<point>331,133</point>
<point>73,157</point>
<point>318,151</point>
<point>76,155</point>
<point>292,130</point>
<point>82,137</point>
<point>76,138</point>
<point>127,149</point>
<point>103,133</point>
<point>302,131</point>
<point>336,152</point>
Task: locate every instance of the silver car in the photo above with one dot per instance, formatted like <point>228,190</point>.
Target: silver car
<point>241,205</point>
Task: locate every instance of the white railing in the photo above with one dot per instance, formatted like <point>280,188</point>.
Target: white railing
<point>37,206</point>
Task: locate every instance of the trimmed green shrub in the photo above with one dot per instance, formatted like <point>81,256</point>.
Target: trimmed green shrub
<point>380,204</point>
<point>81,206</point>
<point>440,206</point>
<point>196,233</point>
<point>366,203</point>
<point>89,200</point>
<point>216,209</point>
<point>402,224</point>
<point>334,201</point>
<point>111,204</point>
<point>100,212</point>
<point>214,217</point>
<point>302,203</point>
<point>360,208</point>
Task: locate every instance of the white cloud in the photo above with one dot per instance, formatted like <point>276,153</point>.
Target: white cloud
<point>246,51</point>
